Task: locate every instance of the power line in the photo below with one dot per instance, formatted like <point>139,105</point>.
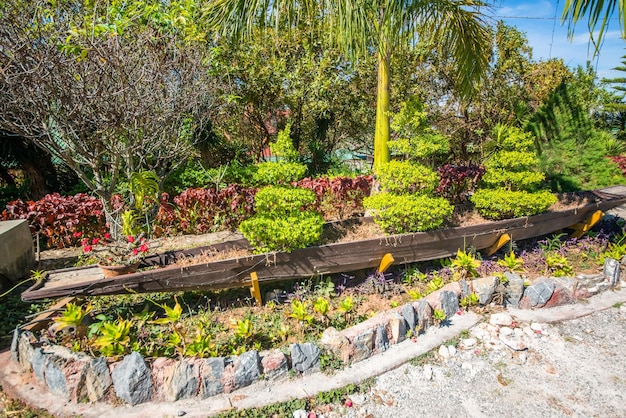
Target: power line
<point>553,26</point>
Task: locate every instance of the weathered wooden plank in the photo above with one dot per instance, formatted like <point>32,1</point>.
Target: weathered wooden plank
<point>42,320</point>
<point>326,259</point>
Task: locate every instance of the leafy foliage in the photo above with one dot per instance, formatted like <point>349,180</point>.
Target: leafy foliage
<point>457,182</point>
<point>197,211</point>
<point>63,220</point>
<point>408,213</point>
<point>501,203</point>
<point>269,173</point>
<point>282,221</point>
<point>338,197</point>
<point>406,177</point>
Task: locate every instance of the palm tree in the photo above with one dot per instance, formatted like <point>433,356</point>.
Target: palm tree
<point>455,28</point>
<point>597,11</point>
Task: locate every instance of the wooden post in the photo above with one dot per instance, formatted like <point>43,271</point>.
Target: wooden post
<point>501,242</point>
<point>254,288</point>
<point>582,228</point>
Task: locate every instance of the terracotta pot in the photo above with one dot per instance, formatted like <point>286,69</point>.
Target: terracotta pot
<point>112,271</point>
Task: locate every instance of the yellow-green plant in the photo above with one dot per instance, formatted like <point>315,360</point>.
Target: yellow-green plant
<point>558,266</point>
<point>114,337</point>
<point>171,314</point>
<point>464,265</point>
<point>72,317</point>
<point>321,306</point>
<point>414,294</point>
<point>439,316</point>
<point>512,263</point>
<point>434,284</point>
<point>469,300</point>
<point>299,311</point>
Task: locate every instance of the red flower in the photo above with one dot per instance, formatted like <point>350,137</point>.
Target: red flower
<point>95,241</point>
<point>84,242</point>
<point>130,239</point>
<point>87,248</point>
<point>135,251</point>
<point>77,234</point>
<point>143,248</point>
<point>107,236</point>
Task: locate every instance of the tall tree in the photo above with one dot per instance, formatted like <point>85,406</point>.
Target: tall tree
<point>615,108</point>
<point>455,27</point>
<point>109,88</point>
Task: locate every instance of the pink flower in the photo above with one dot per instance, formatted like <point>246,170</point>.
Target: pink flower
<point>87,248</point>
<point>95,241</point>
<point>135,251</point>
<point>348,403</point>
<point>143,248</point>
<point>130,239</point>
<point>84,242</point>
<point>77,234</point>
<point>107,236</point>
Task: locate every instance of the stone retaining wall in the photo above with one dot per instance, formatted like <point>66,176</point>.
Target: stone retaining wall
<point>78,377</point>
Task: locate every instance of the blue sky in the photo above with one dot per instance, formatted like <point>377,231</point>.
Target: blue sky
<point>548,37</point>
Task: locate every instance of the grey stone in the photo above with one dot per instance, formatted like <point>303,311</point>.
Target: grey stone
<point>424,315</point>
<point>97,379</point>
<point>397,328</point>
<point>449,303</point>
<point>410,316</point>
<point>537,295</point>
<point>54,376</point>
<point>363,345</point>
<point>38,363</point>
<point>247,368</point>
<point>612,270</point>
<point>465,290</point>
<point>211,372</point>
<point>184,382</point>
<point>514,289</point>
<point>484,288</point>
<point>132,379</point>
<point>305,356</point>
<point>382,339</point>
<point>25,350</point>
<point>15,355</point>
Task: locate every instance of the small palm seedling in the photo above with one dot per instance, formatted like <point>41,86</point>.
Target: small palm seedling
<point>72,318</point>
<point>114,337</point>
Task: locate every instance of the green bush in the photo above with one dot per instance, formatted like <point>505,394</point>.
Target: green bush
<point>193,175</point>
<point>501,203</point>
<point>399,214</point>
<point>270,173</point>
<point>282,222</point>
<point>279,201</point>
<point>404,177</point>
<point>297,230</point>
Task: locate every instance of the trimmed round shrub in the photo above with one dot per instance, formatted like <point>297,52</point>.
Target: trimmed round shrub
<point>279,201</point>
<point>297,230</point>
<point>271,173</point>
<point>399,214</point>
<point>501,203</point>
<point>405,177</point>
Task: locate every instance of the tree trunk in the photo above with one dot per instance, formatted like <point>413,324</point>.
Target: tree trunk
<point>381,137</point>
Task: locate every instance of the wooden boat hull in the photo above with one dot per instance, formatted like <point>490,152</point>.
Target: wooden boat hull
<point>308,262</point>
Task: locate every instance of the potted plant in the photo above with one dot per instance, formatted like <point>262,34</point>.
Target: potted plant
<point>116,257</point>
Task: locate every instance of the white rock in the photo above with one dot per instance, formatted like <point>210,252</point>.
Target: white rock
<point>452,350</point>
<point>517,344</point>
<point>443,351</point>
<point>523,358</point>
<point>506,331</point>
<point>501,319</point>
<point>536,326</point>
<point>300,413</point>
<point>529,331</point>
<point>428,371</point>
<point>468,343</point>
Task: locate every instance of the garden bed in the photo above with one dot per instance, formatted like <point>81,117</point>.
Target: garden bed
<point>313,261</point>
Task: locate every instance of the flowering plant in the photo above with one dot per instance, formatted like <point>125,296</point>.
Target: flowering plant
<point>108,252</point>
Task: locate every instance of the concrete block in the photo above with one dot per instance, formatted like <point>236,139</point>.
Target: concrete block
<point>17,255</point>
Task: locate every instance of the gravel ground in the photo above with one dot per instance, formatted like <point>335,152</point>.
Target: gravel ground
<point>573,368</point>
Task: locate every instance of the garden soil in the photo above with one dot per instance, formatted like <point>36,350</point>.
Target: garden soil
<point>574,364</point>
